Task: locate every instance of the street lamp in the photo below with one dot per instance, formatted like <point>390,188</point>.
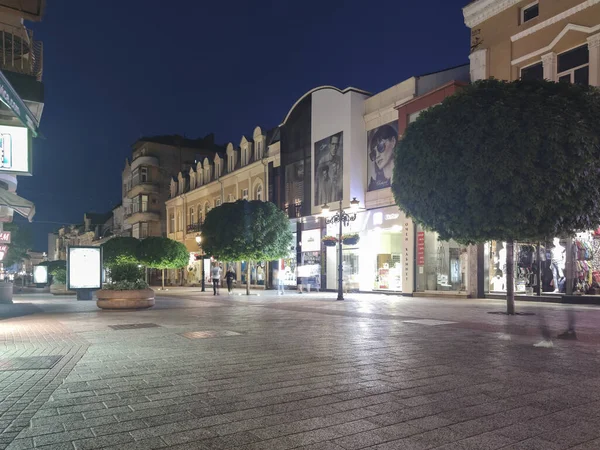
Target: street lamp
<point>199,241</point>
<point>344,219</point>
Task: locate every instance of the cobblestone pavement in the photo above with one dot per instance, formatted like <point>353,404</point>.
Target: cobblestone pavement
<point>298,371</point>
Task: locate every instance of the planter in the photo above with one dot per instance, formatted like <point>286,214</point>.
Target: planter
<point>329,243</point>
<point>6,292</point>
<point>350,241</point>
<point>60,289</point>
<point>134,299</point>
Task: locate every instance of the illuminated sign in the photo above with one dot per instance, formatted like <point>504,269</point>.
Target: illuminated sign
<point>311,240</point>
<point>4,237</point>
<point>15,151</point>
<point>84,268</point>
<point>3,250</point>
<point>392,216</point>
<point>40,274</point>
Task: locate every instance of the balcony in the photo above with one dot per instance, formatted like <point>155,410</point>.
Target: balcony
<point>142,216</point>
<point>19,52</point>
<point>194,228</point>
<point>144,160</point>
<point>139,187</point>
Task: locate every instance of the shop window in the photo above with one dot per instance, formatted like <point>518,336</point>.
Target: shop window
<point>573,66</point>
<point>533,72</point>
<point>530,12</point>
<point>444,266</point>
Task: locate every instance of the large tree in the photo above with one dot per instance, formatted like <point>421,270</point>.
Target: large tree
<point>504,161</point>
<point>246,231</point>
<point>20,242</point>
<point>163,253</point>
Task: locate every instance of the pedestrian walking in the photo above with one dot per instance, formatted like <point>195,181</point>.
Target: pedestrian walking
<point>280,274</point>
<point>569,334</point>
<point>216,278</point>
<point>229,277</point>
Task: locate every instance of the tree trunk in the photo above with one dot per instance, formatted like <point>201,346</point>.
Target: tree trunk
<point>510,279</point>
<point>248,278</point>
<point>163,279</point>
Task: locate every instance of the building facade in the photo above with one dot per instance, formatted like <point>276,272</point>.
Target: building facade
<point>146,179</point>
<point>557,41</point>
<point>248,171</point>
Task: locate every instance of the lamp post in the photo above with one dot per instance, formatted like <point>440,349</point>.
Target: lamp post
<point>199,241</point>
<point>344,219</point>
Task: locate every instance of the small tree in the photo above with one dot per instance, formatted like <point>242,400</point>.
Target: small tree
<point>504,161</point>
<point>20,242</point>
<point>58,270</point>
<point>121,250</point>
<point>163,253</point>
<point>246,231</point>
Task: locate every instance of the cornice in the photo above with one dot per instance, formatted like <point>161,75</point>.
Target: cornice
<point>481,10</point>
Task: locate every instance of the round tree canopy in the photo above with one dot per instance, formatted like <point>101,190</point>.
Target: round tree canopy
<point>246,231</point>
<point>163,253</point>
<point>121,250</point>
<point>500,160</point>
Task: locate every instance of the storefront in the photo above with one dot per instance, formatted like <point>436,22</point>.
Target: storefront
<point>383,258</point>
<point>308,273</point>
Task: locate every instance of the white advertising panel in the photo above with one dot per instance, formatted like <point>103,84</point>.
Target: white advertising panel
<point>311,240</point>
<point>40,274</point>
<point>15,154</point>
<point>84,268</point>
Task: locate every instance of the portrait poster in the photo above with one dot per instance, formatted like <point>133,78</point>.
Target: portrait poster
<point>380,155</point>
<point>329,172</point>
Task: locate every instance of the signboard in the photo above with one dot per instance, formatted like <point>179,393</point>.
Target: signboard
<point>311,240</point>
<point>421,248</point>
<point>3,250</point>
<point>40,274</point>
<point>4,237</point>
<point>15,150</point>
<point>84,268</point>
<point>10,98</point>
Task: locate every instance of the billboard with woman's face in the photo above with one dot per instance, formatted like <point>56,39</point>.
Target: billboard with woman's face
<point>329,169</point>
<point>380,150</point>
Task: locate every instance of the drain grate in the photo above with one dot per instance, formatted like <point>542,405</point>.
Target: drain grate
<point>430,322</point>
<point>133,326</point>
<point>29,363</point>
<point>209,334</point>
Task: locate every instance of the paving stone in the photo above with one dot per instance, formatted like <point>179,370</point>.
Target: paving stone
<point>57,438</point>
<point>113,440</point>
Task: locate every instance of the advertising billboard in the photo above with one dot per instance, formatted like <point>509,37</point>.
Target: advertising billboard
<point>329,169</point>
<point>380,150</point>
<point>311,240</point>
<point>40,274</point>
<point>15,150</point>
<point>84,268</point>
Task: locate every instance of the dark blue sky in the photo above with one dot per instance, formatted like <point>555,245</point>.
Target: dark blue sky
<point>122,69</point>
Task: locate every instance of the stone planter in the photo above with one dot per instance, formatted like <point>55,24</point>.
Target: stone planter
<point>6,292</point>
<point>135,299</point>
<point>60,289</point>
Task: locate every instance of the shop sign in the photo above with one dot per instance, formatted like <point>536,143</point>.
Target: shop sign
<point>421,248</point>
<point>10,98</point>
<point>15,150</point>
<point>379,218</point>
<point>3,250</point>
<point>311,240</point>
<point>4,237</point>
<point>407,261</point>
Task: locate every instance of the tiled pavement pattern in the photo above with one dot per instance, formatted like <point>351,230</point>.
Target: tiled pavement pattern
<point>304,372</point>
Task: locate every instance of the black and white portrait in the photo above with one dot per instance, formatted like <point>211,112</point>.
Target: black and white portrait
<point>380,150</point>
<point>329,169</point>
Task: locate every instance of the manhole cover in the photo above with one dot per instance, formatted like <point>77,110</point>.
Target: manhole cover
<point>29,363</point>
<point>209,334</point>
<point>429,322</point>
<point>133,326</point>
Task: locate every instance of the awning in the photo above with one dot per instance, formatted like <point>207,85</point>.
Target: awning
<point>19,204</point>
<point>10,98</point>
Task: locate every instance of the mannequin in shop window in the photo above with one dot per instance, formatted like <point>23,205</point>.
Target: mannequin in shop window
<point>498,282</point>
<point>558,263</point>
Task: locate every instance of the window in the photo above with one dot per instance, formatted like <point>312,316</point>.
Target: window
<point>231,199</point>
<point>217,202</point>
<point>143,203</point>
<point>135,231</point>
<point>179,222</point>
<point>172,223</point>
<point>192,181</point>
<point>200,220</point>
<point>574,66</point>
<point>529,12</point>
<point>217,169</point>
<point>230,163</point>
<point>144,230</point>
<point>191,215</point>
<point>245,194</point>
<point>534,72</point>
<point>206,209</point>
<point>258,150</point>
<point>144,175</point>
<point>124,189</point>
<point>259,192</point>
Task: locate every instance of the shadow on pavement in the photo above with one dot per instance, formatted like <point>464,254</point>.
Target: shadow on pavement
<point>10,311</point>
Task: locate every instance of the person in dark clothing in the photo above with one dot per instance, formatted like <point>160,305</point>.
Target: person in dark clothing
<point>229,277</point>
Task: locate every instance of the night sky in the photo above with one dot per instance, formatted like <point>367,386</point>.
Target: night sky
<point>120,70</point>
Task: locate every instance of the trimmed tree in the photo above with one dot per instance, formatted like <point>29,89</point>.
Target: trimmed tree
<point>246,231</point>
<point>163,253</point>
<point>504,161</point>
<point>121,250</point>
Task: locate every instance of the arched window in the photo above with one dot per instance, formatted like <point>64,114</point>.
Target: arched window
<point>259,192</point>
<point>206,208</point>
<point>191,215</point>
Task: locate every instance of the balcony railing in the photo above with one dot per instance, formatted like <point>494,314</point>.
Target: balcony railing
<point>19,52</point>
<point>194,227</point>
